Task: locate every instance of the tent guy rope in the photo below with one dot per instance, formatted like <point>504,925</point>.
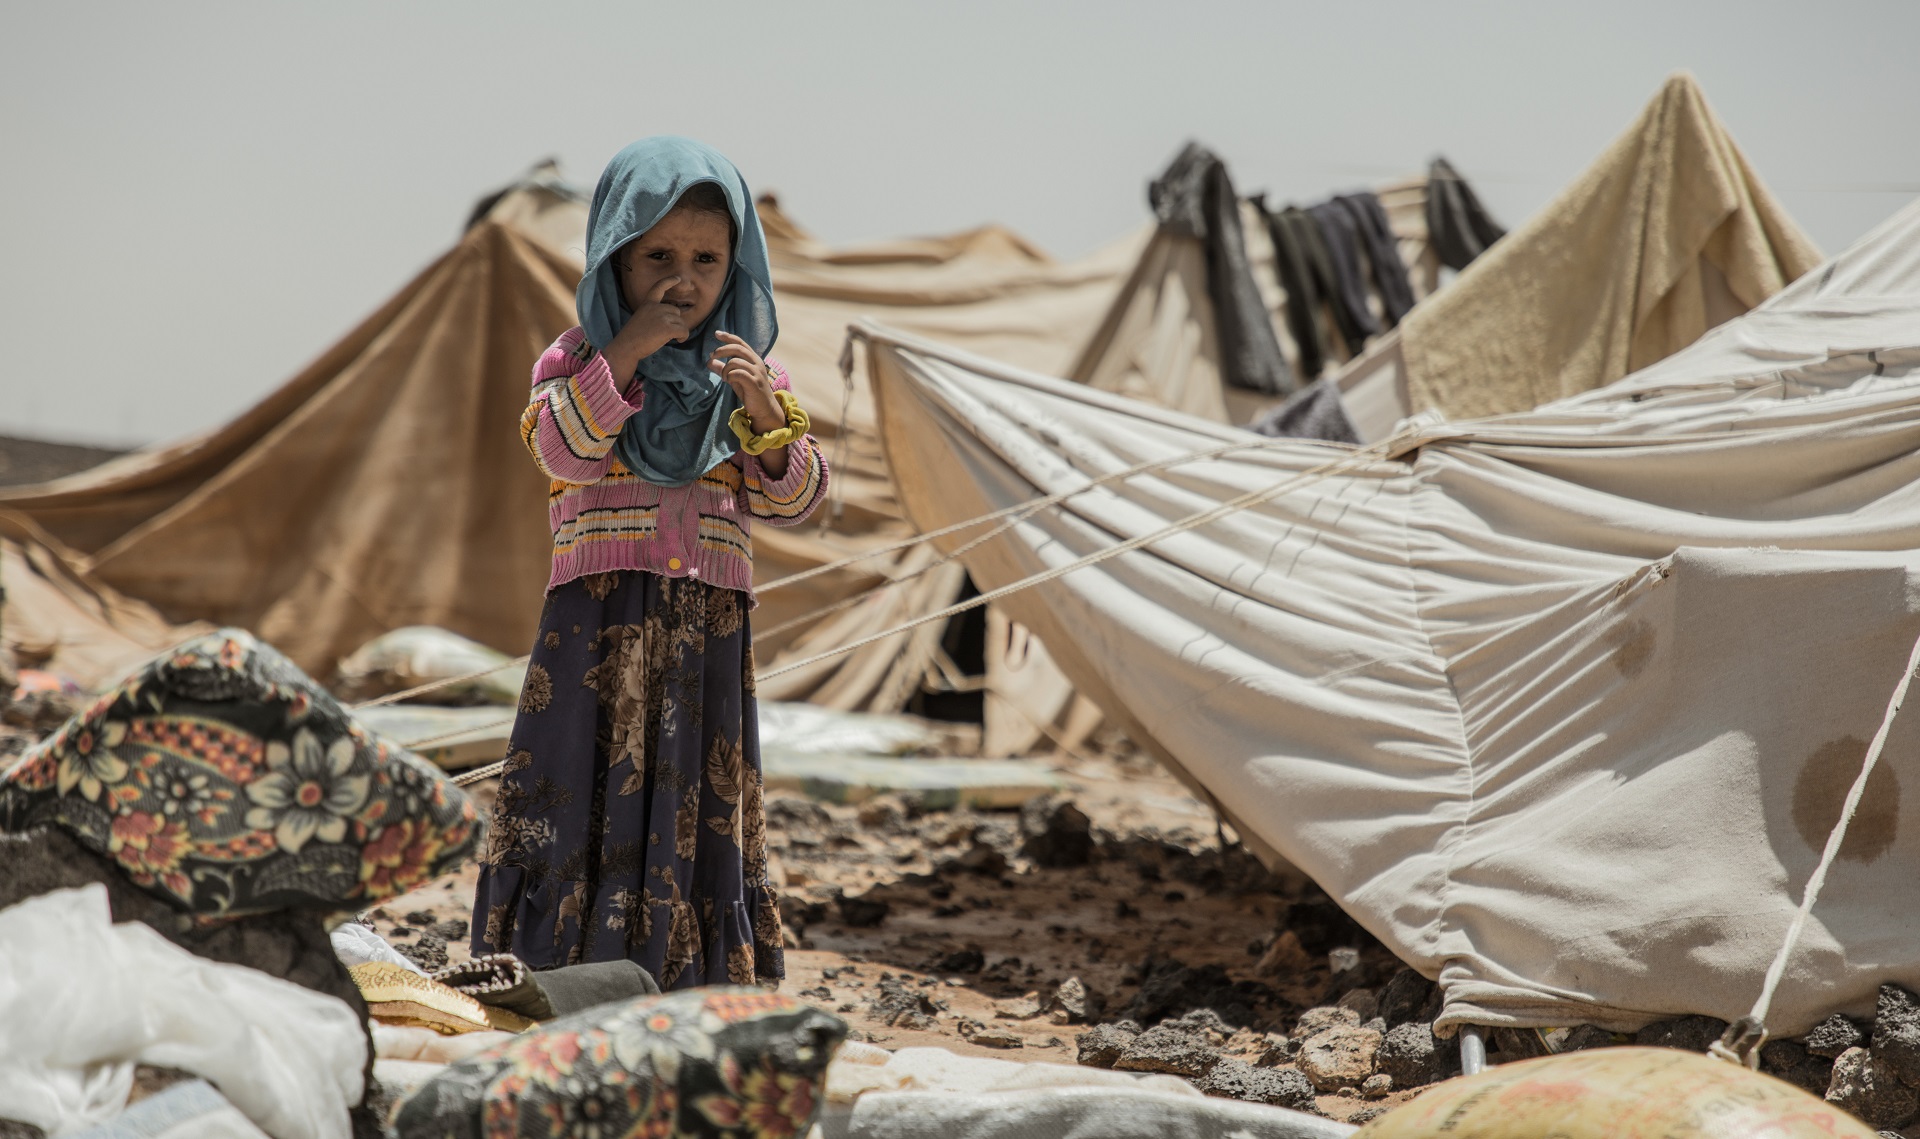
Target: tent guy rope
<point>1251,498</point>
<point>1750,1032</point>
<point>1011,514</point>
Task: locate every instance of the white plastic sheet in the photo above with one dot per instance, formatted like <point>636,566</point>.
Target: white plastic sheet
<point>82,1001</point>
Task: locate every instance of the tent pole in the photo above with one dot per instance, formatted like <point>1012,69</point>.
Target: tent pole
<point>1473,1050</point>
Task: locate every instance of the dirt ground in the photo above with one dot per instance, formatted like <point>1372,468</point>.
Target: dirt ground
<point>986,914</point>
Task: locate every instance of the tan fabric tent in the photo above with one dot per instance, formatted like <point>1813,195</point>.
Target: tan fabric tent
<point>56,618</point>
<point>1562,705</point>
<point>1666,235</point>
<point>1157,342</point>
<point>386,485</point>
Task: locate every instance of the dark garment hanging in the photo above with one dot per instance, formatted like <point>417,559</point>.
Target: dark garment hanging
<point>1194,197</point>
<point>1296,274</point>
<point>1457,224</point>
<point>1314,413</point>
<point>1349,293</point>
<point>1383,253</point>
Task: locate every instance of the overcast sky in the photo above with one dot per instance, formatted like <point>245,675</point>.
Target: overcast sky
<point>200,197</point>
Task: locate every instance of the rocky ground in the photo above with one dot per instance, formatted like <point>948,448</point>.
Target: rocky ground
<point>1116,925</point>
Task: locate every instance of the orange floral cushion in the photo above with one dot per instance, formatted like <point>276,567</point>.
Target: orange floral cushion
<point>223,779</point>
<point>723,1061</point>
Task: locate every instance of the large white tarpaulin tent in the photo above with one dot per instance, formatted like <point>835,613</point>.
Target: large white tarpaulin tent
<point>1562,705</point>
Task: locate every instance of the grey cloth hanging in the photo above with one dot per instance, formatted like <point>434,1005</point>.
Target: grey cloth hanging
<point>1349,293</point>
<point>1457,224</point>
<point>1383,254</point>
<point>1195,197</point>
<point>1295,271</point>
<point>1313,413</point>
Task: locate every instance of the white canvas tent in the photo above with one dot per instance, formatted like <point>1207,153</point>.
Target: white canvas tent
<point>1561,705</point>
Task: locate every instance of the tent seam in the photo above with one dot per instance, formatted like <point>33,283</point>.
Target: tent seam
<point>1456,835</point>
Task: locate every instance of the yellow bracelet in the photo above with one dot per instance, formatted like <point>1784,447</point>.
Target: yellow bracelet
<point>797,426</point>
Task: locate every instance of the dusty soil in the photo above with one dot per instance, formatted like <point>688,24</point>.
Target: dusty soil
<point>962,908</point>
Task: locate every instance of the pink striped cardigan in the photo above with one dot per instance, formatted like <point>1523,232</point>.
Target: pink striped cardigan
<point>606,518</point>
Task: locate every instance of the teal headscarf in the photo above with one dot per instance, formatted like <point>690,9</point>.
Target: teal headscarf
<point>680,431</point>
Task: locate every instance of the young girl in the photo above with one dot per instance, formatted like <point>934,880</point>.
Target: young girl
<point>629,821</point>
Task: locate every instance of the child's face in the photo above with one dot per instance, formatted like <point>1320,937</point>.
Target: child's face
<point>692,245</point>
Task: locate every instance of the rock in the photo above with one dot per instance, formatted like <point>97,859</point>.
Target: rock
<point>1404,998</point>
<point>1414,1057</point>
<point>979,858</point>
<point>41,711</point>
<point>1783,1059</point>
<point>796,914</point>
<point>1167,1049</point>
<point>1518,1044</point>
<point>1833,1036</point>
<point>1019,1008</point>
<point>421,917</point>
<point>1321,925</point>
<point>1170,988</point>
<point>1314,1021</point>
<point>968,960</point>
<point>997,1037</point>
<point>453,929</point>
<point>1279,1050</point>
<point>429,952</point>
<point>1283,957</point>
<point>14,1129</point>
<point>1203,1022</point>
<point>1237,1079</point>
<point>1376,1086</point>
<point>1102,1045</point>
<point>1581,1037</point>
<point>899,1005</point>
<point>1896,1034</point>
<point>1864,1087</point>
<point>1057,834</point>
<point>1687,1033</point>
<point>1363,1003</point>
<point>883,813</point>
<point>863,912</point>
<point>1072,1003</point>
<point>1339,1057</point>
<point>789,812</point>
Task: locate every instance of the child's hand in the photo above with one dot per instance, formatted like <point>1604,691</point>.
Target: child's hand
<point>655,323</point>
<point>746,373</point>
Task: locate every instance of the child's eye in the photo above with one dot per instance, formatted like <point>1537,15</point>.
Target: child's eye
<point>706,258</point>
<point>660,255</point>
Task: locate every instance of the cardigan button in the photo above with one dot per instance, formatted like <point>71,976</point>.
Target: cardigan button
<point>673,563</point>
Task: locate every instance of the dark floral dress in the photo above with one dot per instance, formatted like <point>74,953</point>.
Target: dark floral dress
<point>630,820</point>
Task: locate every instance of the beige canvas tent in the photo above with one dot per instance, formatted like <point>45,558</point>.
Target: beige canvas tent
<point>386,485</point>
<point>56,618</point>
<point>1562,705</point>
<point>1667,234</point>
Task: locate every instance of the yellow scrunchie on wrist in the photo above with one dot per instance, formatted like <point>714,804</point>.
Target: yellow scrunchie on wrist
<point>797,426</point>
